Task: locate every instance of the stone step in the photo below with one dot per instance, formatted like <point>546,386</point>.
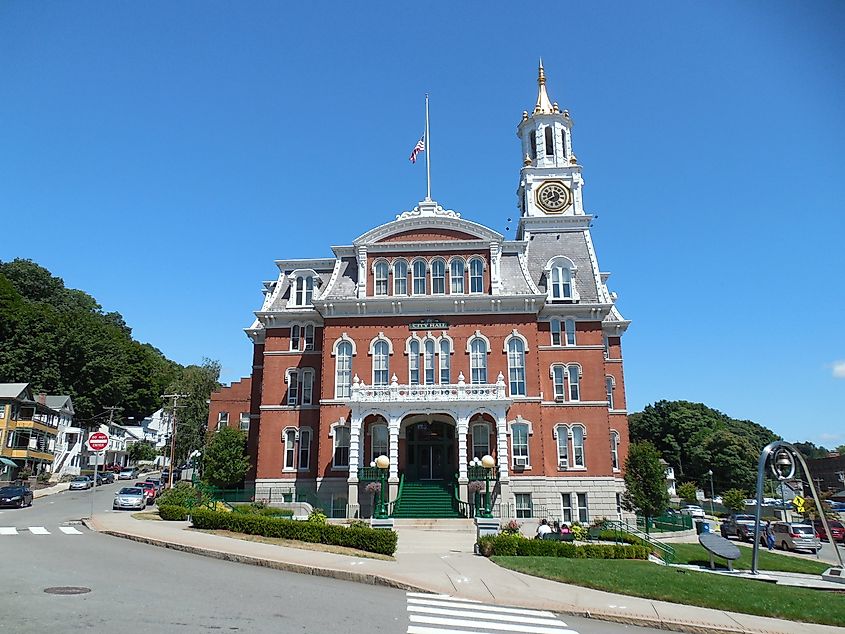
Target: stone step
<point>435,524</point>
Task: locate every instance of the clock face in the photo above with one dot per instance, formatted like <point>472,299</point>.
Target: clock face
<point>553,197</point>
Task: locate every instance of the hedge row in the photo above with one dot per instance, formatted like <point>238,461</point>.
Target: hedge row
<point>367,539</point>
<point>173,513</point>
<point>269,511</point>
<point>622,536</point>
<point>516,545</point>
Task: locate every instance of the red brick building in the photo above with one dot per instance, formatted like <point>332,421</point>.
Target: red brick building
<point>435,340</point>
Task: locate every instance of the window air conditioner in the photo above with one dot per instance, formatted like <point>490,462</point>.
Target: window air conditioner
<point>559,398</point>
<point>563,464</point>
<point>520,461</point>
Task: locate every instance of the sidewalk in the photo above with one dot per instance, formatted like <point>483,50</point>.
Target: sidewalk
<point>56,488</point>
<point>442,562</point>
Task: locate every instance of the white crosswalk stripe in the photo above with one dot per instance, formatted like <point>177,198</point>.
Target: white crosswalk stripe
<point>38,530</point>
<point>8,530</point>
<point>70,530</point>
<point>442,614</point>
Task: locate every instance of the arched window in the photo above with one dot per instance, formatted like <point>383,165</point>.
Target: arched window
<point>577,446</point>
<point>294,337</point>
<point>480,440</point>
<point>614,450</point>
<point>476,275</point>
<point>381,363</point>
<point>304,450</point>
<point>562,433</point>
<point>290,450</point>
<point>414,362</point>
<point>561,281</point>
<point>456,278</point>
<point>307,386</point>
<point>478,361</point>
<point>309,290</point>
<point>574,373</point>
<point>381,277</point>
<point>400,277</point>
<point>445,362</point>
<point>428,361</point>
<point>340,453</point>
<point>558,374</point>
<point>300,387</point>
<point>563,141</point>
<point>550,141</point>
<point>343,370</point>
<point>293,388</point>
<point>569,326</point>
<point>516,366</point>
<point>438,277</point>
<point>519,444</point>
<point>608,387</point>
<point>378,441</point>
<point>555,329</point>
<point>419,277</point>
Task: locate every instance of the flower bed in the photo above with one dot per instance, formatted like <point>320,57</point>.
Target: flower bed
<point>516,545</point>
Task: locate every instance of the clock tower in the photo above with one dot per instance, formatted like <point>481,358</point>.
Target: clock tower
<point>550,182</point>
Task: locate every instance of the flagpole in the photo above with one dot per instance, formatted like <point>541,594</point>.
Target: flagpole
<point>427,153</point>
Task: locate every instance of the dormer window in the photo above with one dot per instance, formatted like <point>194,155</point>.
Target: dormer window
<point>303,290</point>
<point>560,272</point>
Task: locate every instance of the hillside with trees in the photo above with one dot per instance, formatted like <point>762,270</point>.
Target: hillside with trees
<point>694,438</point>
<point>61,341</point>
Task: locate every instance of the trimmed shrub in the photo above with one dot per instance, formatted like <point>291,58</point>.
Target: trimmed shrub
<point>182,494</point>
<point>173,513</point>
<point>612,536</point>
<point>366,539</point>
<point>262,509</point>
<point>511,545</point>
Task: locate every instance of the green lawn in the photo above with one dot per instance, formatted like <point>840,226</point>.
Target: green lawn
<point>651,581</point>
<point>695,554</point>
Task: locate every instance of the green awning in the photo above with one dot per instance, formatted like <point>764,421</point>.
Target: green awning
<point>7,462</point>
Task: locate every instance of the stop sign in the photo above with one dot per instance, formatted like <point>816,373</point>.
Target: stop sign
<point>98,441</point>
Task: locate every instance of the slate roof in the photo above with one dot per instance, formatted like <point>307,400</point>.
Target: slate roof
<point>573,244</point>
<point>513,279</point>
<point>347,280</point>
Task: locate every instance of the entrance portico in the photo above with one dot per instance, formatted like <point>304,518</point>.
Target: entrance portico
<point>434,420</point>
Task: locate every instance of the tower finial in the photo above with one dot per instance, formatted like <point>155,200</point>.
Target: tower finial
<point>544,104</point>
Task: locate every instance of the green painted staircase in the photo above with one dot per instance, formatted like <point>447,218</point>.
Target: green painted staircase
<point>425,499</point>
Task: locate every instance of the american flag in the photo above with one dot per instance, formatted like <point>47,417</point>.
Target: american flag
<point>419,147</point>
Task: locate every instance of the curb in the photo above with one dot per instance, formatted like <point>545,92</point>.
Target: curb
<point>378,580</point>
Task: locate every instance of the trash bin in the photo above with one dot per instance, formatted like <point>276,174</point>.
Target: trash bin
<point>699,527</point>
<point>705,527</point>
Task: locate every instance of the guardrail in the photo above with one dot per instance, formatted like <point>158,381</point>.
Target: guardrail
<point>666,552</point>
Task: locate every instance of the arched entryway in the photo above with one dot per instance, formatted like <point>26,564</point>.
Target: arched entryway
<point>430,450</point>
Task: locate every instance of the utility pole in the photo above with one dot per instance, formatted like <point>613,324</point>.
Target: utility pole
<point>175,398</point>
<point>111,411</point>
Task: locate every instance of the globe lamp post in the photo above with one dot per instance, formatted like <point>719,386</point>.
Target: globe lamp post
<point>488,462</point>
<point>383,464</point>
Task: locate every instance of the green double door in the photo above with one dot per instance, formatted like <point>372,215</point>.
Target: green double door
<point>431,451</point>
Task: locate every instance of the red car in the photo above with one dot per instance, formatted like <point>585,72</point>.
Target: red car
<point>837,530</point>
<point>149,490</point>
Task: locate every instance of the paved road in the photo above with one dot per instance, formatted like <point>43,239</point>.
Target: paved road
<point>140,588</point>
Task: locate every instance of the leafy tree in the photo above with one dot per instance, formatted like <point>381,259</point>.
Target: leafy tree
<point>645,482</point>
<point>734,499</point>
<point>840,450</point>
<point>686,492</point>
<point>225,462</point>
<point>197,382</point>
<point>141,451</point>
<point>810,450</point>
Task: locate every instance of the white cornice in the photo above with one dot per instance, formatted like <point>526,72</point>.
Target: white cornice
<point>430,305</point>
<point>433,245</point>
<point>324,264</point>
<point>555,223</point>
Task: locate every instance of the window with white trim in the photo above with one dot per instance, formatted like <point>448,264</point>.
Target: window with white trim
<point>608,388</point>
<point>381,363</point>
<point>380,277</point>
<point>309,336</point>
<point>438,277</point>
<point>295,337</point>
<point>478,361</point>
<point>480,440</point>
<point>428,361</point>
<point>577,446</point>
<point>558,380</point>
<point>574,376</point>
<point>614,450</point>
<point>583,512</point>
<point>290,450</point>
<point>222,421</point>
<point>414,362</point>
<point>445,362</point>
<point>304,450</point>
<point>476,275</point>
<point>569,327</point>
<point>303,290</point>
<point>400,277</point>
<point>339,504</point>
<point>554,326</point>
<point>566,507</point>
<point>343,370</point>
<point>516,366</point>
<point>419,277</point>
<point>562,432</point>
<point>524,508</point>
<point>561,280</point>
<point>519,444</point>
<point>307,386</point>
<point>243,421</point>
<point>456,278</point>
<point>378,441</point>
<point>340,453</point>
<point>293,388</point>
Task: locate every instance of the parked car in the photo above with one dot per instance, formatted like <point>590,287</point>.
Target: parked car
<point>149,490</point>
<point>156,483</point>
<point>792,535</point>
<point>130,498</point>
<point>837,530</point>
<point>81,482</point>
<point>127,473</point>
<point>839,507</point>
<point>16,495</point>
<point>693,510</point>
<point>741,526</point>
<point>108,477</point>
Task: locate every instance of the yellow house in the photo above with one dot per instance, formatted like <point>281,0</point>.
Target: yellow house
<point>28,429</point>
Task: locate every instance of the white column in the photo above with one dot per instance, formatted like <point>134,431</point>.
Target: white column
<point>461,430</point>
<point>502,446</point>
<point>355,438</point>
<point>393,430</point>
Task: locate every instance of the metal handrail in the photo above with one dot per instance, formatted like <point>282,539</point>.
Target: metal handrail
<point>667,552</point>
<point>391,506</point>
<point>464,508</point>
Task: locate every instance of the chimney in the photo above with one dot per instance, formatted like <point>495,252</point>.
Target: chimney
<point>42,398</point>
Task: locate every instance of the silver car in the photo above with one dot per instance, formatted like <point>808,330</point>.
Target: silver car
<point>792,535</point>
<point>80,483</point>
<point>130,498</point>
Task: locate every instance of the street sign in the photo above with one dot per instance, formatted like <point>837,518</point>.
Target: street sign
<point>800,504</point>
<point>98,441</point>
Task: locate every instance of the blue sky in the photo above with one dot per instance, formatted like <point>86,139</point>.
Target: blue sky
<point>161,155</point>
